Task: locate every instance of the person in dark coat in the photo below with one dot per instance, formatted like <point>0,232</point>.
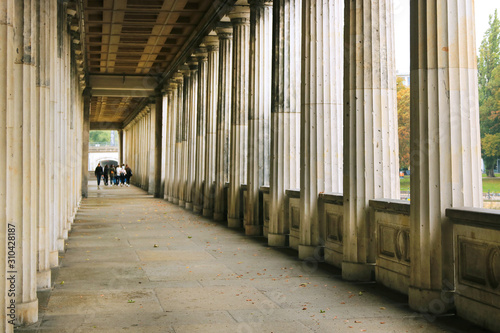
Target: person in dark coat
<point>98,173</point>
<point>128,174</point>
<point>106,173</point>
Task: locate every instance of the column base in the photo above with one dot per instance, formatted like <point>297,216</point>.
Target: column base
<point>168,198</point>
<point>353,271</point>
<point>207,212</point>
<point>277,239</point>
<point>430,301</point>
<point>175,201</point>
<point>234,223</point>
<point>27,313</point>
<point>308,252</point>
<point>60,245</point>
<point>219,217</point>
<point>253,230</point>
<point>182,203</point>
<point>43,280</point>
<point>54,259</point>
<point>197,209</point>
<point>189,205</point>
<point>65,234</point>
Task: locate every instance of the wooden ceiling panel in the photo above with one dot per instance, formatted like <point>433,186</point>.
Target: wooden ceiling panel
<point>138,37</point>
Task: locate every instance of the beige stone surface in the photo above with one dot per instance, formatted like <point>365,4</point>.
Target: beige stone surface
<point>226,281</point>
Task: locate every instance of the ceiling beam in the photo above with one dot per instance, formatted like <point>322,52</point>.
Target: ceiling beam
<point>145,83</point>
<point>122,92</point>
<point>105,126</point>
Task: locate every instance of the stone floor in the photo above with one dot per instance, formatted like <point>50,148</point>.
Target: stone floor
<point>138,264</point>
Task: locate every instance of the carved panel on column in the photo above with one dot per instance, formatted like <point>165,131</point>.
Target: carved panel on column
<point>393,243</point>
<point>478,263</point>
<point>334,226</point>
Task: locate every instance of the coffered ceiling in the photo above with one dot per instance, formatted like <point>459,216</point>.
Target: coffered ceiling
<point>131,45</point>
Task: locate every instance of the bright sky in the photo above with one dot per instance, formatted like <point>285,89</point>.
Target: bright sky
<point>483,9</point>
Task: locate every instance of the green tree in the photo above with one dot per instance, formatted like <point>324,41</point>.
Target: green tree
<point>403,97</point>
<point>489,94</point>
<point>100,136</point>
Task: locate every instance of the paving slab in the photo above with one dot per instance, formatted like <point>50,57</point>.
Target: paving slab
<point>134,263</point>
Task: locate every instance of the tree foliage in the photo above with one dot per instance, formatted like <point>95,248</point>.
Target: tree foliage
<point>403,98</point>
<point>99,136</point>
<point>489,93</point>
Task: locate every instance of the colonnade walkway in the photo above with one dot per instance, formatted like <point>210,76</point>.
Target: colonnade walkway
<point>138,264</point>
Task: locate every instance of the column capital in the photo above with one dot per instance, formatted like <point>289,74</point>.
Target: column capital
<point>211,42</point>
<point>200,54</point>
<point>185,70</point>
<point>224,30</point>
<point>240,14</point>
<point>193,64</point>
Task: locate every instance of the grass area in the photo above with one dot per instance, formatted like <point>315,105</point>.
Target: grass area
<point>489,184</point>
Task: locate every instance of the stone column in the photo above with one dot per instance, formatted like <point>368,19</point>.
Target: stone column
<point>285,109</point>
<point>201,114</point>
<point>212,44</point>
<point>184,111</point>
<point>120,138</point>
<point>44,272</point>
<point>178,139</point>
<point>191,134</point>
<point>18,171</point>
<point>169,157</point>
<point>240,18</point>
<point>158,122</point>
<point>321,114</point>
<point>52,114</point>
<point>85,142</point>
<point>6,64</point>
<point>371,164</point>
<point>445,143</point>
<point>225,34</point>
<point>172,137</point>
<point>259,110</point>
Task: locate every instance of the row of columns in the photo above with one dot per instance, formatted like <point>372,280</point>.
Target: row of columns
<point>41,140</point>
<point>325,120</point>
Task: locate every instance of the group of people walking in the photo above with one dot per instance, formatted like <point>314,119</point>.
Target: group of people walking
<point>117,176</point>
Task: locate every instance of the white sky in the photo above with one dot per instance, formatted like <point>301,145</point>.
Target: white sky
<point>483,8</point>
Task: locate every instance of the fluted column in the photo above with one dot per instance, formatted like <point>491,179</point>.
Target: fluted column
<point>240,18</point>
<point>178,137</point>
<point>321,114</point>
<point>169,157</point>
<point>158,147</point>
<point>444,143</point>
<point>259,110</point>
<point>6,63</point>
<point>371,164</point>
<point>172,110</point>
<point>201,115</point>
<point>212,44</point>
<point>285,117</point>
<point>44,272</point>
<point>52,149</point>
<point>192,120</point>
<point>184,110</point>
<point>225,34</point>
<point>19,118</point>
<point>85,143</point>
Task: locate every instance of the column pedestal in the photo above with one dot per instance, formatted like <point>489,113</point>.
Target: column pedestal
<point>27,313</point>
<point>277,239</point>
<point>44,280</point>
